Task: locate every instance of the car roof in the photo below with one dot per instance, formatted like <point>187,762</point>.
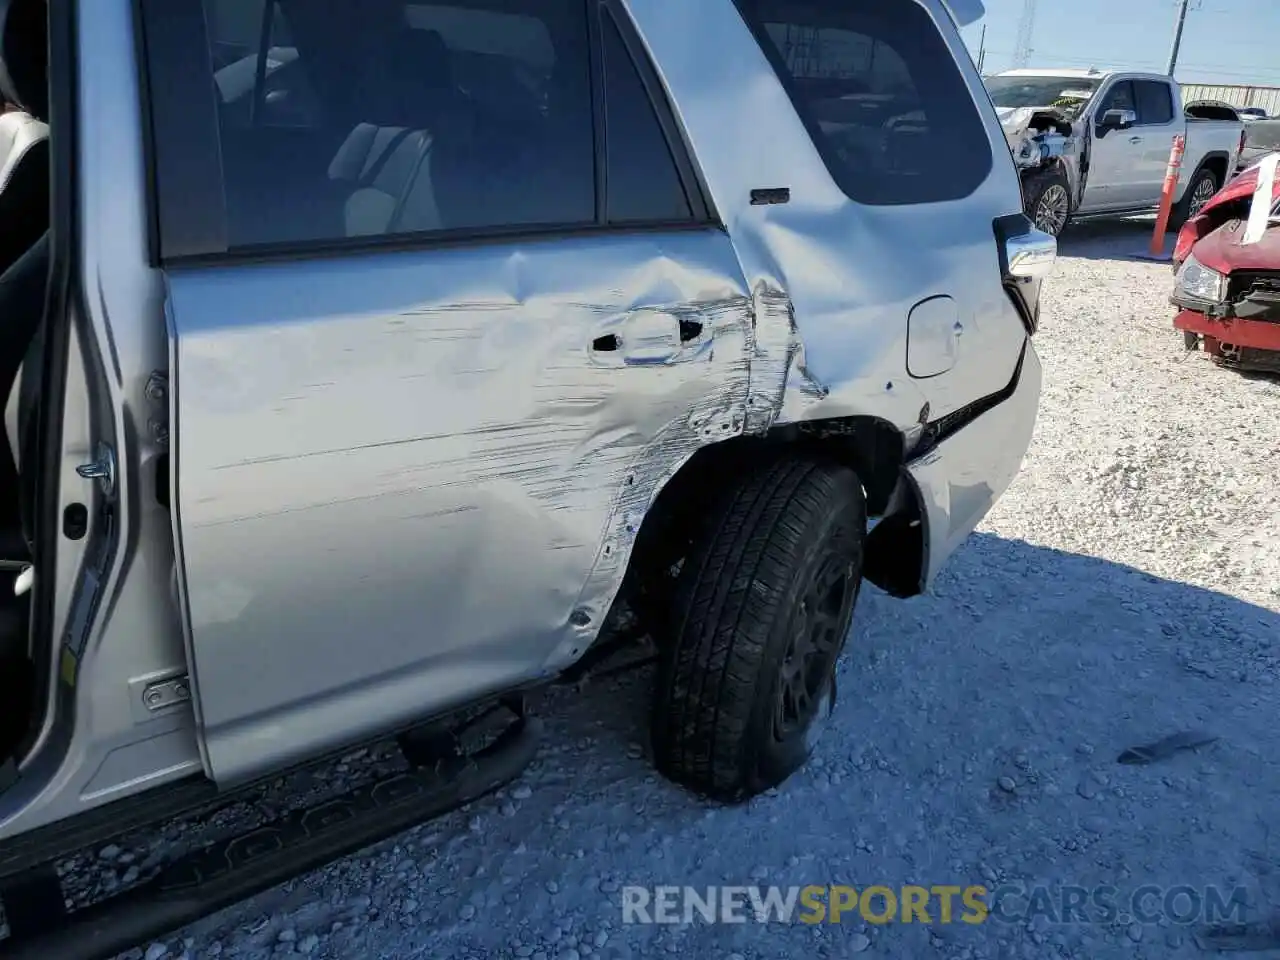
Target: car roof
<point>1078,74</point>
<point>1068,73</point>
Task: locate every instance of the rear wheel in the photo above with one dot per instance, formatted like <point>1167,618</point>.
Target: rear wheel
<point>1048,201</point>
<point>1199,192</point>
<point>761,611</point>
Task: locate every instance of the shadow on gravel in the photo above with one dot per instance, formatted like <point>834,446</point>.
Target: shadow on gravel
<point>1008,608</point>
<point>1258,376</point>
<point>1126,240</point>
<point>978,741</point>
<point>1041,719</point>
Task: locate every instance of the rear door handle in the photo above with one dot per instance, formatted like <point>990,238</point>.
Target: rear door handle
<point>1135,139</point>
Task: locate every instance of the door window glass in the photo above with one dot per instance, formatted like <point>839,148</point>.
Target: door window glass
<point>382,117</point>
<point>1155,103</point>
<point>1119,97</point>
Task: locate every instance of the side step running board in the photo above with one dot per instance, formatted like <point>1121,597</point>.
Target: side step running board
<point>230,871</point>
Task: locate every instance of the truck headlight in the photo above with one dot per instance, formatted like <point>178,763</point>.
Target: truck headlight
<point>1198,282</point>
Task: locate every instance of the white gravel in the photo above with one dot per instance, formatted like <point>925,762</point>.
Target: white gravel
<point>1125,588</point>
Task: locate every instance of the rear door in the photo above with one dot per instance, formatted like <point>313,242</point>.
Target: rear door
<point>1158,123</point>
<point>1116,176</point>
<point>420,410</point>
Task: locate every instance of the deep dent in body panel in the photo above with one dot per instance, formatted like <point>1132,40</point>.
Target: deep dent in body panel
<point>718,416</point>
<point>459,394</point>
<point>481,422</point>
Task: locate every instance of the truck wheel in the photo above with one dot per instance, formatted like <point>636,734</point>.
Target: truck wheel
<point>1048,201</point>
<point>760,614</point>
<point>1199,192</point>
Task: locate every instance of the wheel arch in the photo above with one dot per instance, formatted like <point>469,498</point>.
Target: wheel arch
<point>1218,161</point>
<point>1051,167</point>
<point>873,448</point>
<point>1037,181</point>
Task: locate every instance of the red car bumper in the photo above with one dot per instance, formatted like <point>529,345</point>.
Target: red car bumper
<point>1254,334</point>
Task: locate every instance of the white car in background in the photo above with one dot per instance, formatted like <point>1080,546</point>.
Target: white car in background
<point>1094,143</point>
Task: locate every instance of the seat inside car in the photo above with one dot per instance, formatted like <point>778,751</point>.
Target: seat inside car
<point>24,225</point>
<point>24,134</point>
<point>408,134</point>
<point>407,101</point>
<point>428,155</point>
<point>24,272</point>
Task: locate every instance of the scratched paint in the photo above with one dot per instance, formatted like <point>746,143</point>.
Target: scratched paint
<point>424,473</point>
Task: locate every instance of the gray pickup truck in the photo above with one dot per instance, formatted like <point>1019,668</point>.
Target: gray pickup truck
<point>1093,143</point>
<point>359,391</point>
<point>1262,137</point>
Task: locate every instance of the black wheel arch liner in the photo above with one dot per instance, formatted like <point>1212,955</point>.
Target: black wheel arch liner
<point>1205,162</point>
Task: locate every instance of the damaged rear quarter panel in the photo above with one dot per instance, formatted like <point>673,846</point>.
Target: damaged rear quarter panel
<point>833,281</point>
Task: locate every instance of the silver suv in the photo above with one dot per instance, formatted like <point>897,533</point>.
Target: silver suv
<point>374,361</point>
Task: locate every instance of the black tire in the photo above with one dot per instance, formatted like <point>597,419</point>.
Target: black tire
<point>784,543</point>
<point>1205,180</point>
<point>1043,190</point>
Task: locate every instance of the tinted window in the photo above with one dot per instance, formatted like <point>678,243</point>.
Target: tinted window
<point>881,95</point>
<point>642,181</point>
<point>1119,97</point>
<point>384,117</point>
<point>286,98</point>
<point>1155,102</point>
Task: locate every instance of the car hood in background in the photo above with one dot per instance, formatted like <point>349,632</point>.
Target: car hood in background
<point>1242,186</point>
<point>1222,250</point>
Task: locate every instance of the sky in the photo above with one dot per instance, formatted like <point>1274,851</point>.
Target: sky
<point>1225,41</point>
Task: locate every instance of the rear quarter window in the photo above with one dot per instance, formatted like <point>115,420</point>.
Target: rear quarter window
<point>883,99</point>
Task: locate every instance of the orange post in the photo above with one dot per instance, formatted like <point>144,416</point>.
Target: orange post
<point>1166,195</point>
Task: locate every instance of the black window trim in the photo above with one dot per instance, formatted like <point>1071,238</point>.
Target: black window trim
<point>691,179</point>
<point>598,117</point>
<point>767,47</point>
<point>188,216</point>
<point>189,212</point>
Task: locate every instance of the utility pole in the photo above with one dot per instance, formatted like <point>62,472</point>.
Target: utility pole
<point>1026,31</point>
<point>1177,34</point>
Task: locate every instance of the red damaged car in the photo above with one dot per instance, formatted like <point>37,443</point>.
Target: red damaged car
<point>1227,289</point>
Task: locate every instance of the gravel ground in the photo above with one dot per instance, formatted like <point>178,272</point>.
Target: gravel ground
<point>1125,589</point>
